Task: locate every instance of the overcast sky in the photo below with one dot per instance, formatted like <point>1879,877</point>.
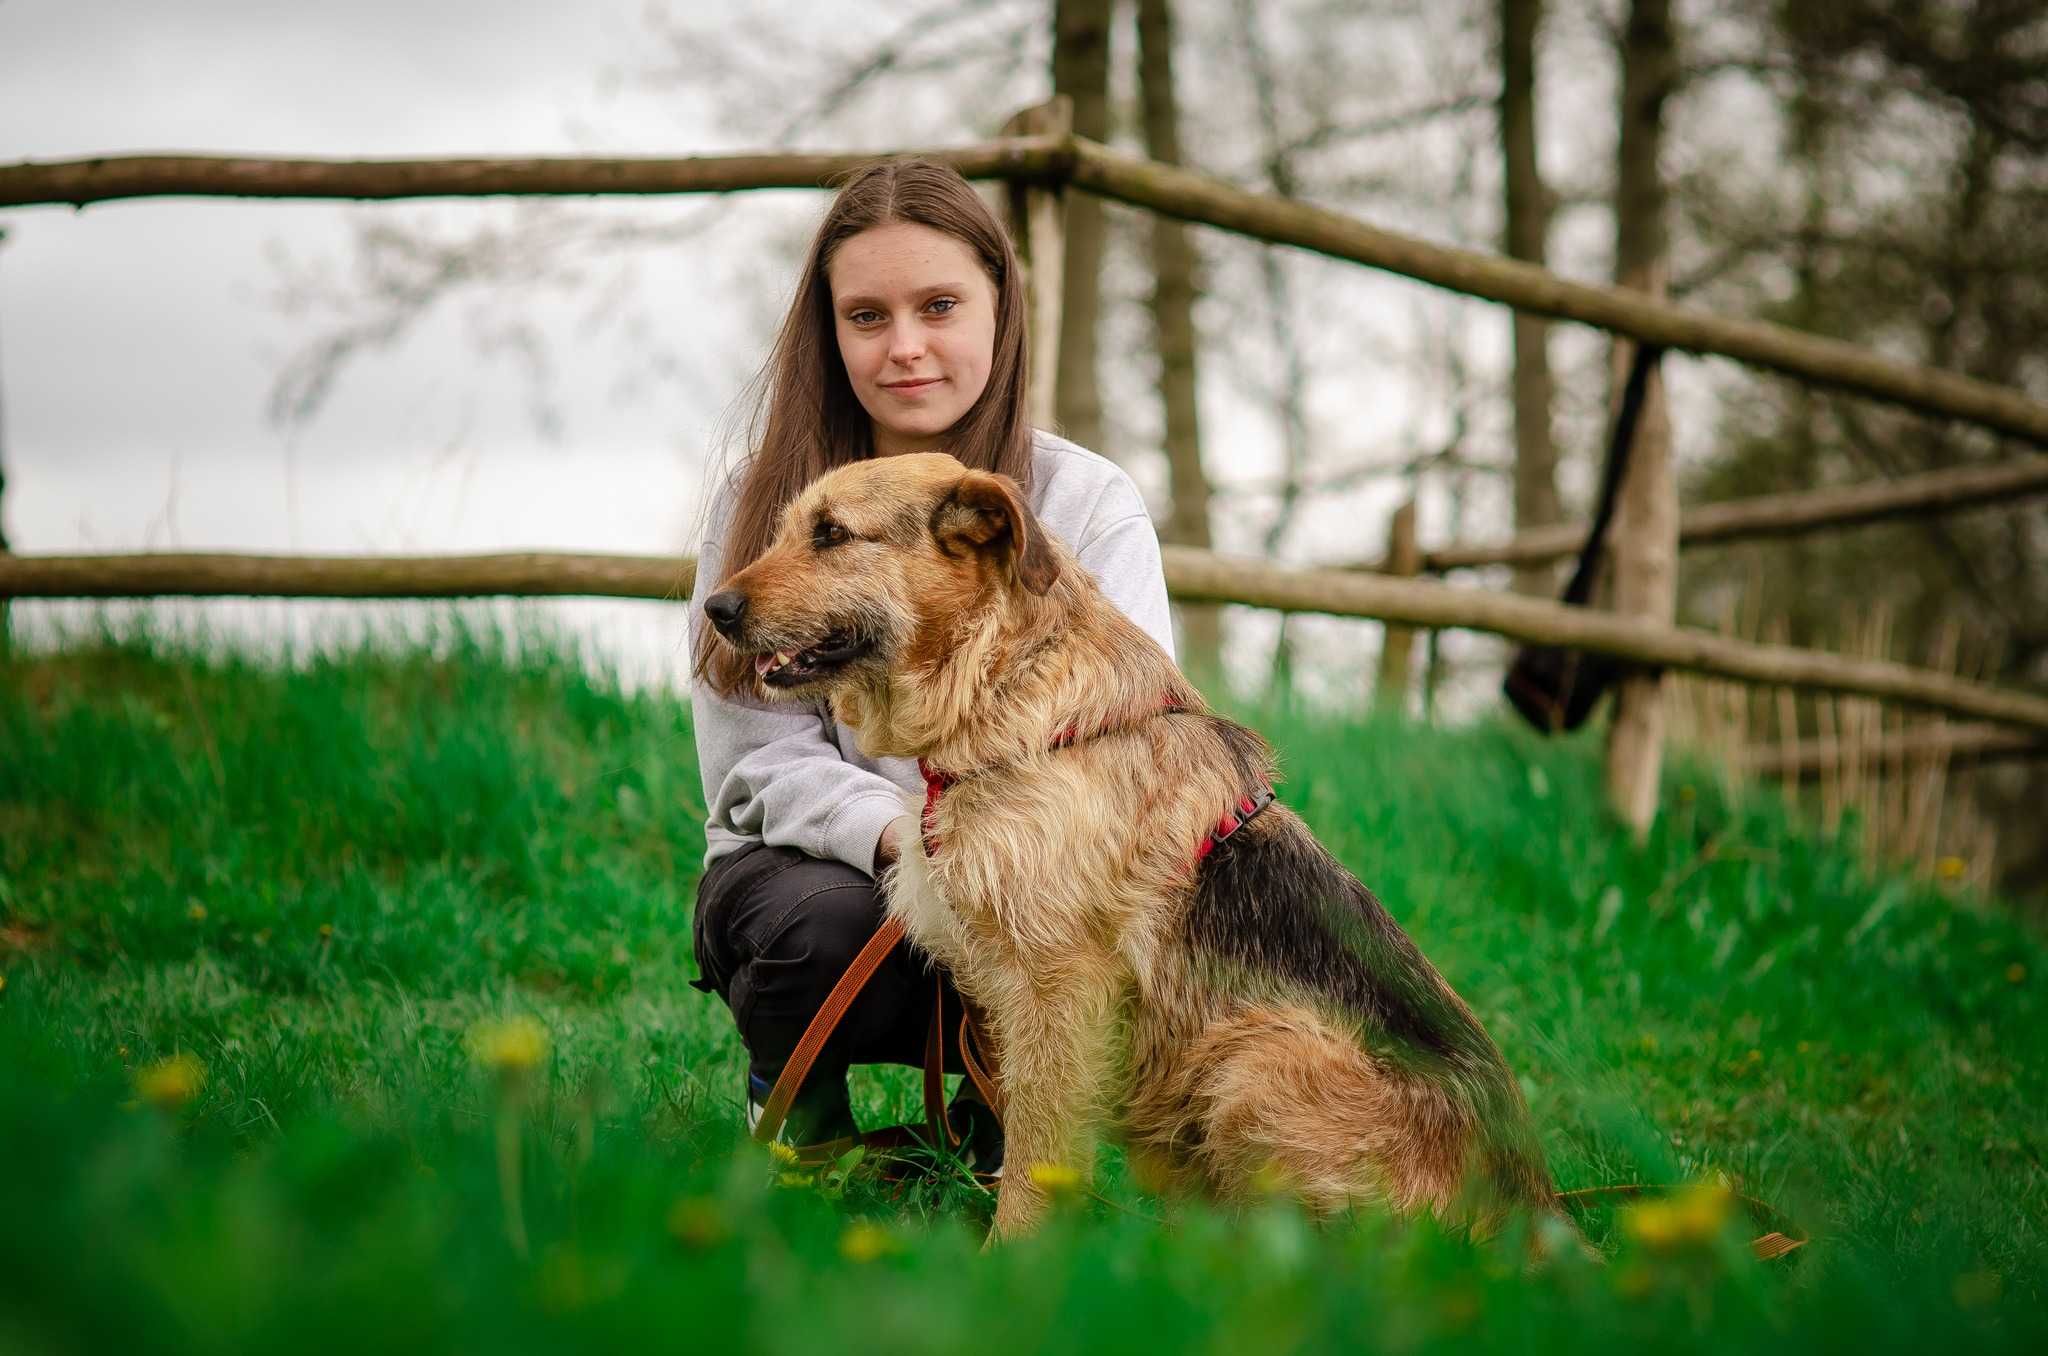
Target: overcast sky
<point>139,342</point>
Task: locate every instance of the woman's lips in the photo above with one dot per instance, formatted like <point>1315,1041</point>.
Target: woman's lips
<point>911,387</point>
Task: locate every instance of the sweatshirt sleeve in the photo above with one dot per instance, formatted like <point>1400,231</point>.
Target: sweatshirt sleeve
<point>773,769</point>
<point>1123,555</point>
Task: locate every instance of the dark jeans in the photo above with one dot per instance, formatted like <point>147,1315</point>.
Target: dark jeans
<point>775,929</point>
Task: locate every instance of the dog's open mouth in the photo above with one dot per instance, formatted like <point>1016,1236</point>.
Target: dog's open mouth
<point>835,651</point>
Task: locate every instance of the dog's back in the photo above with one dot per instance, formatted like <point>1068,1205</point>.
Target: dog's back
<point>1297,1037</point>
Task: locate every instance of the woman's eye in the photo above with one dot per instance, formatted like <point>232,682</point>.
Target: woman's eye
<point>865,317</point>
<point>942,304</point>
<point>828,534</point>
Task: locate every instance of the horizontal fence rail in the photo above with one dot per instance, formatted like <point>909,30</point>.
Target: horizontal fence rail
<point>182,574</point>
<point>1191,196</point>
<point>1170,190</point>
<point>1192,575</point>
<point>1951,746</point>
<point>1202,576</point>
<point>110,178</point>
<point>1778,515</point>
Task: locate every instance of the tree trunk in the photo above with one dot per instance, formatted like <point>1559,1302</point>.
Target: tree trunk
<point>1080,70</point>
<point>1645,534</point>
<point>1527,229</point>
<point>1173,311</point>
<point>1291,399</point>
<point>1038,229</point>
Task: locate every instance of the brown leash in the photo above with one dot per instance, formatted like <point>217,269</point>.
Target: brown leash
<point>823,1024</point>
<point>981,1069</point>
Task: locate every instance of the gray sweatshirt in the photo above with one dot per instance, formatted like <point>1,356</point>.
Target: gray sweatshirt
<point>790,775</point>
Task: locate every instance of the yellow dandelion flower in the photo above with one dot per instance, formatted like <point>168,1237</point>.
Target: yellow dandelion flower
<point>865,1242</point>
<point>782,1153</point>
<point>1054,1178</point>
<point>1651,1223</point>
<point>2014,973</point>
<point>170,1083</point>
<point>326,931</point>
<point>795,1179</point>
<point>3,984</point>
<point>196,912</point>
<point>509,1045</point>
<point>1702,1210</point>
<point>1950,868</point>
<point>1691,1217</point>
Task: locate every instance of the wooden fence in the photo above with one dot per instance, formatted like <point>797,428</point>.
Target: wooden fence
<point>1041,163</point>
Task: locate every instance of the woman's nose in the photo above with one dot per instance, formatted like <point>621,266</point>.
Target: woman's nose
<point>906,343</point>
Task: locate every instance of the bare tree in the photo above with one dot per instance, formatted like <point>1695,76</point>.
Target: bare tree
<point>1174,266</point>
<point>1527,229</point>
<point>962,53</point>
<point>1080,70</point>
<point>1291,399</point>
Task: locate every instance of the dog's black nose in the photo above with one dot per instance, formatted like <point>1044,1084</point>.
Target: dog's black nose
<point>725,610</point>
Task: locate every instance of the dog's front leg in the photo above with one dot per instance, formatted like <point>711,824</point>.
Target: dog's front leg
<point>1053,1028</point>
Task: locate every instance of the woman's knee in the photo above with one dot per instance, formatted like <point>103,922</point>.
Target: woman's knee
<point>824,928</point>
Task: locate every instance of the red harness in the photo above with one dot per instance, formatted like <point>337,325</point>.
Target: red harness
<point>936,780</point>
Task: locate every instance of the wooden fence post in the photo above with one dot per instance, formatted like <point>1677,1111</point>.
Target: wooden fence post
<point>1037,228</point>
<point>1404,560</point>
<point>6,620</point>
<point>1644,551</point>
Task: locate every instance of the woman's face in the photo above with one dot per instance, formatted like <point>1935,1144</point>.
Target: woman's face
<point>915,315</point>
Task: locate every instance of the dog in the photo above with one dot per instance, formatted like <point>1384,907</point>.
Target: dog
<point>1153,946</point>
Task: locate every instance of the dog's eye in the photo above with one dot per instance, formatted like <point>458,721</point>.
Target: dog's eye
<point>828,533</point>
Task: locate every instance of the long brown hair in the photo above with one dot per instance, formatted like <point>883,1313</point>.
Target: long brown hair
<point>806,417</point>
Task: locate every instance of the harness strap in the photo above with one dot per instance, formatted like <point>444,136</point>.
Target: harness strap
<point>1235,818</point>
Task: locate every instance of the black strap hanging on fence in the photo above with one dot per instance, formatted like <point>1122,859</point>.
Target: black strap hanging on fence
<point>1555,688</point>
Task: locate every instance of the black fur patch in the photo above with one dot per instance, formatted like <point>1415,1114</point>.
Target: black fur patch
<point>1272,900</point>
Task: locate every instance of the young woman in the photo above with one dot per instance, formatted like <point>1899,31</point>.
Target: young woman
<point>906,334</point>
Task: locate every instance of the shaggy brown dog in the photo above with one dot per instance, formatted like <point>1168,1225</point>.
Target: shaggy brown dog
<point>1242,1010</point>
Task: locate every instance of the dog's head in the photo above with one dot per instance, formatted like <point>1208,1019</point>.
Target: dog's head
<point>874,570</point>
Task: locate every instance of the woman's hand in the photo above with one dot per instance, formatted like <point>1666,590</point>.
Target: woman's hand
<point>886,847</point>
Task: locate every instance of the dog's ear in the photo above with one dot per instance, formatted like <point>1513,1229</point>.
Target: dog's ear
<point>984,512</point>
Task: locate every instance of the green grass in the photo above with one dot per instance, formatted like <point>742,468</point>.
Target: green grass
<point>316,877</point>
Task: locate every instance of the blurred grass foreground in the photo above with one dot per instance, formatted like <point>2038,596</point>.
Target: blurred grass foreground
<point>345,1007</point>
